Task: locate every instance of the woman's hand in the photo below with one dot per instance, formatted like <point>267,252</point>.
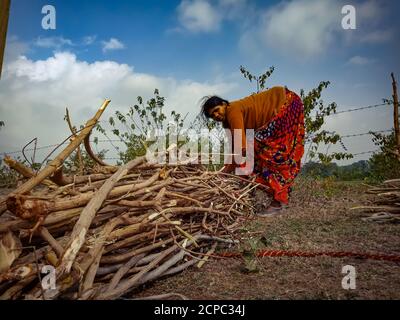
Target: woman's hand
<point>229,168</point>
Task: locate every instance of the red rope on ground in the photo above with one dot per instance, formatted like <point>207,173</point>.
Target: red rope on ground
<point>339,254</point>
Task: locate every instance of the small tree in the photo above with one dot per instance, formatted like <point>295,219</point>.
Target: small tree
<point>260,80</point>
<point>315,121</point>
<point>141,120</point>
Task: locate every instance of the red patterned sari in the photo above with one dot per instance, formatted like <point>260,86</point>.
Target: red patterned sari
<point>279,147</point>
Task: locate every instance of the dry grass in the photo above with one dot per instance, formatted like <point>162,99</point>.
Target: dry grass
<point>318,220</point>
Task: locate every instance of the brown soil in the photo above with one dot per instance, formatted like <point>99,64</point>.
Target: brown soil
<point>318,219</point>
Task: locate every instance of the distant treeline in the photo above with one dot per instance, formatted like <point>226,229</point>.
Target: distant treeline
<point>356,171</point>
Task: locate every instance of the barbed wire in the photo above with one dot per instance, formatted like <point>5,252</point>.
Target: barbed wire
<point>105,140</point>
<point>119,140</point>
<point>343,146</point>
<point>38,148</point>
<point>388,103</point>
<point>362,108</point>
<point>309,139</point>
<point>365,133</point>
<point>366,152</point>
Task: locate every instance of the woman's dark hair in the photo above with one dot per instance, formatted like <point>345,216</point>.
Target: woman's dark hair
<point>209,103</point>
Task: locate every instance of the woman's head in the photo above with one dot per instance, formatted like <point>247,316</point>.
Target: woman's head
<point>214,107</point>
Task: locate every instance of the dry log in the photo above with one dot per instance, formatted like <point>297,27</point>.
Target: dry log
<point>10,249</point>
<point>30,206</point>
<point>391,209</point>
<point>395,182</point>
<point>59,178</point>
<point>79,232</point>
<point>15,291</point>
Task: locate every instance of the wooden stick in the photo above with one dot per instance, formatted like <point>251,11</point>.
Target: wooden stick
<point>57,162</point>
<point>91,274</point>
<point>89,151</point>
<point>164,296</point>
<point>73,131</point>
<point>51,241</point>
<point>205,258</point>
<point>24,170</point>
<point>392,209</point>
<point>131,282</point>
<point>122,271</point>
<point>97,248</point>
<point>125,256</point>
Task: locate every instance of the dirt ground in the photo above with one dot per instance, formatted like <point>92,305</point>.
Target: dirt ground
<point>318,219</point>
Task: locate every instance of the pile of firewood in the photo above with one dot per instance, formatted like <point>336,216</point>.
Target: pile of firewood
<point>106,234</point>
<point>385,204</point>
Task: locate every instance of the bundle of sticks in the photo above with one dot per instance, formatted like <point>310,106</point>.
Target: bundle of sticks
<point>385,203</point>
<point>103,235</point>
<point>152,223</point>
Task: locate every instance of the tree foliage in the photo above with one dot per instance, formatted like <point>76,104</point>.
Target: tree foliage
<point>141,121</point>
<point>385,164</point>
<point>359,170</point>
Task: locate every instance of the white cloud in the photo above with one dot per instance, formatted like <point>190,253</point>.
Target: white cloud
<point>370,12</point>
<point>371,18</point>
<point>358,60</point>
<point>377,36</point>
<point>234,9</point>
<point>112,44</point>
<point>52,42</point>
<point>198,16</point>
<point>207,16</point>
<point>34,94</point>
<point>14,48</point>
<point>304,28</point>
<point>88,40</point>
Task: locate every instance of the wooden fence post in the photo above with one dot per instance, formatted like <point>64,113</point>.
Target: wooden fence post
<point>4,14</point>
<point>396,116</point>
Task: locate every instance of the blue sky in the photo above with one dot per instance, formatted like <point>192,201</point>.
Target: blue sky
<point>190,48</point>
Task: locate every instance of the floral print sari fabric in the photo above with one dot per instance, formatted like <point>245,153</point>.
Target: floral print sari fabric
<point>279,147</point>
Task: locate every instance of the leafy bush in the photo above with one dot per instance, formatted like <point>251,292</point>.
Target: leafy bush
<point>72,164</point>
<point>8,177</point>
<point>385,164</point>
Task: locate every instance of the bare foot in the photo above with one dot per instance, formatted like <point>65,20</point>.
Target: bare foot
<point>276,204</point>
<point>273,209</point>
